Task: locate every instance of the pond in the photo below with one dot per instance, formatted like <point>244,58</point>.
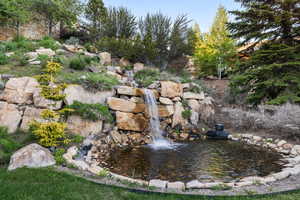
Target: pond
<point>203,160</point>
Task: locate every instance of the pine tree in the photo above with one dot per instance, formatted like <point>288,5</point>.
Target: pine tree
<point>96,14</point>
<point>272,74</point>
<point>216,49</point>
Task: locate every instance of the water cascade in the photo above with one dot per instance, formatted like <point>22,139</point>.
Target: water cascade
<point>159,142</point>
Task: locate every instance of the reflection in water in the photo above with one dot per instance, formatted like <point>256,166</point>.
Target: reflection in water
<point>224,160</point>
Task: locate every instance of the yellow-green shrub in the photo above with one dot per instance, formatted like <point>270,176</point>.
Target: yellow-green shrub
<point>50,134</point>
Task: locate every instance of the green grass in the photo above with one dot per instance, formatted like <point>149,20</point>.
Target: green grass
<point>47,184</point>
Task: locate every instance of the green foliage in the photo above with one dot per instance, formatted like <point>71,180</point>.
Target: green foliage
<point>7,145</point>
<point>215,51</point>
<point>72,41</point>
<point>3,59</point>
<point>44,59</point>
<point>146,77</point>
<point>95,13</point>
<point>77,138</point>
<point>14,13</point>
<point>103,173</point>
<point>77,63</point>
<point>186,114</point>
<point>56,11</point>
<point>270,76</point>
<point>93,81</point>
<point>58,156</point>
<point>91,112</point>
<point>49,134</point>
<point>48,42</point>
<point>19,44</point>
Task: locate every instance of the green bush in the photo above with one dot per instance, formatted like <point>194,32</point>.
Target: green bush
<point>3,59</point>
<point>78,63</point>
<point>44,59</point>
<point>58,156</point>
<point>20,44</point>
<point>48,42</point>
<point>91,112</point>
<point>186,114</point>
<point>7,146</point>
<point>99,81</point>
<point>146,77</point>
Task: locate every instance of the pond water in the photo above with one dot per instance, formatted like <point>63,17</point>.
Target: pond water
<point>204,160</point>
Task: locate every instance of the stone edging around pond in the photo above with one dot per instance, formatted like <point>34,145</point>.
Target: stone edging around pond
<point>290,152</point>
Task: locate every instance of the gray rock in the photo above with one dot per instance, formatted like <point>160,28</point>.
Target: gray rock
<point>158,183</point>
<point>176,185</point>
<point>195,184</point>
<point>10,117</point>
<point>32,156</point>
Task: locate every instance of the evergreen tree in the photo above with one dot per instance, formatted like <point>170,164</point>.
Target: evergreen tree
<point>272,74</point>
<point>96,14</point>
<point>215,50</point>
<point>193,37</point>
<point>55,11</point>
<point>14,13</point>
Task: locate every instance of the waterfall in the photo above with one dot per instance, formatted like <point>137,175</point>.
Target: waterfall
<point>159,142</point>
<point>150,99</point>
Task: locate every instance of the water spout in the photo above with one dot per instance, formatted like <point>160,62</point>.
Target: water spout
<point>159,142</point>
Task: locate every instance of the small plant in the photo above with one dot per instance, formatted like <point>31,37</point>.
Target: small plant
<point>49,134</point>
<point>78,63</point>
<point>7,145</point>
<point>186,114</point>
<point>92,112</point>
<point>99,81</point>
<point>44,59</point>
<point>3,59</point>
<point>72,41</point>
<point>49,114</point>
<point>222,187</point>
<point>128,67</point>
<point>48,42</point>
<point>77,139</point>
<point>103,173</point>
<point>58,156</point>
<point>146,77</point>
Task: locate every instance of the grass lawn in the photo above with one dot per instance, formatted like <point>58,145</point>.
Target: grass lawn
<point>47,184</point>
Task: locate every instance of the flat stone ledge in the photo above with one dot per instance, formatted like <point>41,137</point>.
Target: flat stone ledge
<point>176,185</point>
<point>158,183</point>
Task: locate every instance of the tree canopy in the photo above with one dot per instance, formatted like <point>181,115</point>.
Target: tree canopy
<point>272,74</point>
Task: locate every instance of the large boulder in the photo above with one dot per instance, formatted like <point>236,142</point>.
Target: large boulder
<point>130,91</point>
<point>138,67</point>
<point>131,122</point>
<point>20,90</point>
<point>32,156</point>
<point>207,109</point>
<point>171,89</point>
<point>165,111</point>
<point>78,93</point>
<point>191,95</point>
<point>44,51</point>
<point>105,58</point>
<point>165,101</point>
<point>177,117</point>
<point>124,62</point>
<point>31,114</point>
<point>41,102</point>
<point>83,127</point>
<point>10,117</point>
<point>124,105</point>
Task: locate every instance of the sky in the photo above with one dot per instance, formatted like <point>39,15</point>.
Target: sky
<point>200,11</point>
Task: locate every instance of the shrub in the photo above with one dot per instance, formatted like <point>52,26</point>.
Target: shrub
<point>7,146</point>
<point>146,77</point>
<point>92,112</point>
<point>72,41</point>
<point>100,82</point>
<point>44,59</point>
<point>78,63</point>
<point>20,44</point>
<point>3,59</point>
<point>77,138</point>
<point>49,134</point>
<point>186,114</point>
<point>48,42</point>
<point>58,156</point>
